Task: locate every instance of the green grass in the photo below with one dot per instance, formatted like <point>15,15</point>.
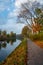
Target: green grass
<point>38,36</point>
<point>18,56</point>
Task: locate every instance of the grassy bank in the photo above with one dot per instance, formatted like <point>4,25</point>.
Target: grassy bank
<point>18,56</point>
<point>39,43</point>
<point>37,38</point>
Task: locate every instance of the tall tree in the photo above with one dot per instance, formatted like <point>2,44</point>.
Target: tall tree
<point>28,15</point>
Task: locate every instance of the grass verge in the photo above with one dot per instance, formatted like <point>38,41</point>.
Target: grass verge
<point>18,56</point>
<point>39,43</point>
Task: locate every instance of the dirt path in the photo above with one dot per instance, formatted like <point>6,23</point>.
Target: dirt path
<point>35,54</point>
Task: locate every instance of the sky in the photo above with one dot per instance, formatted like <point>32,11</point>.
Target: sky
<point>8,13</point>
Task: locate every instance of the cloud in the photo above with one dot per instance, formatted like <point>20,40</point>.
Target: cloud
<point>12,26</point>
<point>19,2</point>
<point>17,9</point>
<point>2,7</point>
<point>41,1</point>
<point>4,0</point>
<point>13,13</point>
<point>4,4</point>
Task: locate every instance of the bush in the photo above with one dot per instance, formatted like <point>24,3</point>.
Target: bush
<point>38,36</point>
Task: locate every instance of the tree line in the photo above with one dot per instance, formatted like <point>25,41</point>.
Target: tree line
<point>31,15</point>
<point>7,36</point>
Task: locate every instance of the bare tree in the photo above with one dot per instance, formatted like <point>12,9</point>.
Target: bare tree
<point>27,14</point>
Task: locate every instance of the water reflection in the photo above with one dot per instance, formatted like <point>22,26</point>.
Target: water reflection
<point>6,48</point>
<point>3,44</point>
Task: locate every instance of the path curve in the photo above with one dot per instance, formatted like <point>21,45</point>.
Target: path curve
<point>34,54</point>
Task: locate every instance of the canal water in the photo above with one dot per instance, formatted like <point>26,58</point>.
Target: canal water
<point>7,47</point>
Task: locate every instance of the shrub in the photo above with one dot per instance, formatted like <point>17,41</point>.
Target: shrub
<point>38,36</point>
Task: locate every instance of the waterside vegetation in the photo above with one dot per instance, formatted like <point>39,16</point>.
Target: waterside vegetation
<point>18,56</point>
<point>7,36</point>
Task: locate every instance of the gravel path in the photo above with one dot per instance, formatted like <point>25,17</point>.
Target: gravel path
<point>35,54</point>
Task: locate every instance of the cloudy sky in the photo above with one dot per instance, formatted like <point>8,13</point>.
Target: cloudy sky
<point>8,15</point>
